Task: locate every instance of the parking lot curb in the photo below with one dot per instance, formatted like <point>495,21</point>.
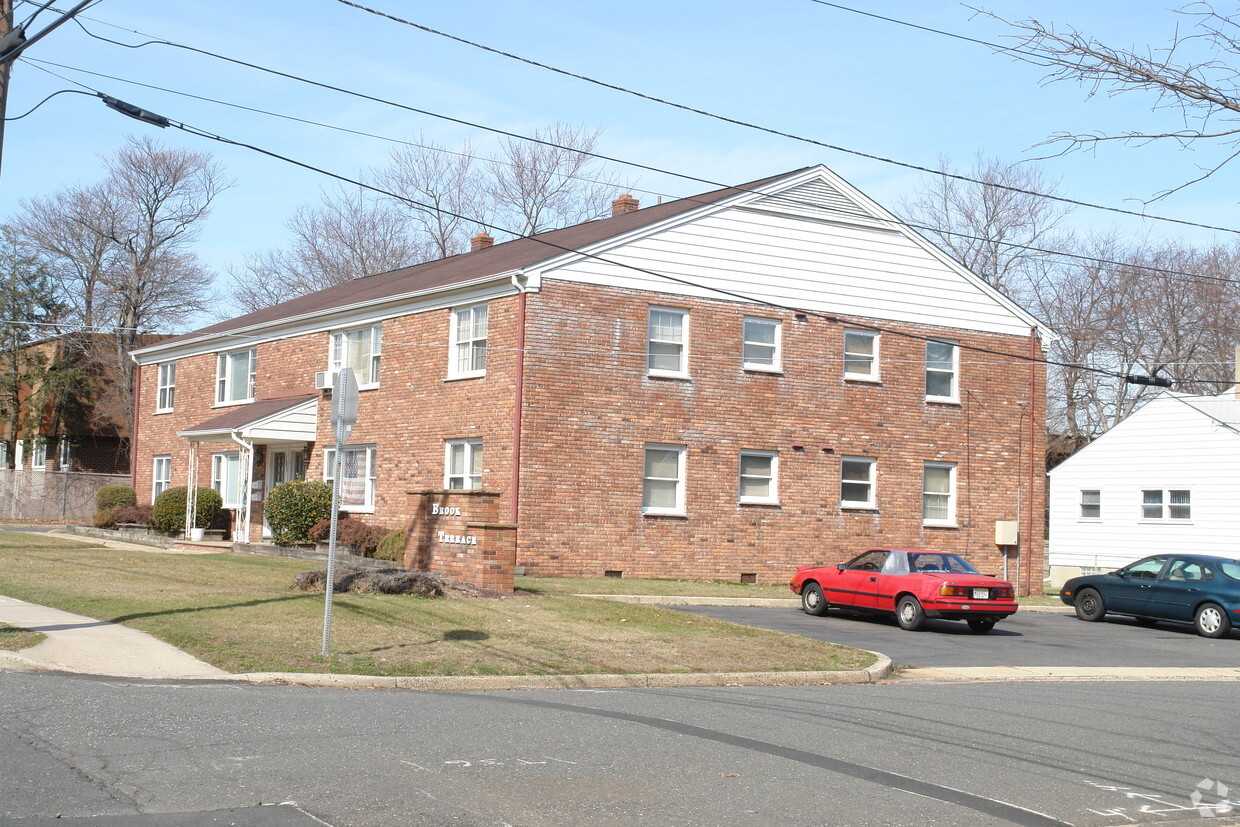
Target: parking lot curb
<point>1002,674</point>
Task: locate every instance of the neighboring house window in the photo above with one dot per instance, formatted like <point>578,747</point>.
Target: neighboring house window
<point>4,454</point>
<point>167,386</point>
<point>226,478</point>
<point>462,465</point>
<point>19,452</point>
<point>469,342</point>
<point>357,476</point>
<point>1178,504</point>
<point>66,451</point>
<point>941,369</point>
<point>161,476</point>
<point>759,471</point>
<point>663,480</point>
<point>857,482</point>
<point>38,454</point>
<point>761,345</point>
<point>234,376</point>
<point>667,351</point>
<point>1091,505</point>
<point>861,355</point>
<point>359,349</point>
<point>938,497</point>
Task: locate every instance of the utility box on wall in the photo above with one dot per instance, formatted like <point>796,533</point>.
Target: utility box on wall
<point>1007,532</point>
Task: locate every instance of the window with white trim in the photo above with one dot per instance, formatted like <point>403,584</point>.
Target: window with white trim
<point>468,357</point>
<point>167,385</point>
<point>861,355</point>
<point>226,477</point>
<point>938,494</point>
<point>4,454</point>
<point>667,342</point>
<point>357,476</point>
<point>66,453</point>
<point>1171,504</point>
<point>759,473</point>
<point>38,453</point>
<point>161,476</point>
<point>857,482</point>
<point>235,376</point>
<point>1091,504</point>
<point>360,349</point>
<point>942,366</point>
<point>760,348</point>
<point>663,479</point>
<point>462,464</point>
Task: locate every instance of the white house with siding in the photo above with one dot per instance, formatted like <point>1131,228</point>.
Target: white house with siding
<point>1166,479</point>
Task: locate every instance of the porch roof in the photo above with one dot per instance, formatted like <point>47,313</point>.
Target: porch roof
<point>284,419</point>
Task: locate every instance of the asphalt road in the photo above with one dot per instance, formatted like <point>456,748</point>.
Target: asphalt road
<point>890,754</point>
<point>1025,639</point>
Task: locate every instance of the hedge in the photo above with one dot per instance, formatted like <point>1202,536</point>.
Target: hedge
<point>168,513</point>
<point>114,496</point>
<point>294,507</point>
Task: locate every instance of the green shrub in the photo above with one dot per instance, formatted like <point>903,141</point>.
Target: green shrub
<point>104,518</point>
<point>294,507</point>
<point>168,513</point>
<point>392,546</point>
<point>114,496</point>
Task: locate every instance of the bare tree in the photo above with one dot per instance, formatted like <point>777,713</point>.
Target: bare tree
<point>998,228</point>
<point>1197,73</point>
<point>350,234</point>
<point>540,186</point>
<point>447,183</point>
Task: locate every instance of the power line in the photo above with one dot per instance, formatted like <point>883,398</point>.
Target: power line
<point>772,131</point>
<point>41,64</point>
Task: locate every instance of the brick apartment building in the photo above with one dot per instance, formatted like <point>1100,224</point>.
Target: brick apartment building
<point>723,386</point>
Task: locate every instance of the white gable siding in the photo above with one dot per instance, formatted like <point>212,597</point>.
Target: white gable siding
<point>296,425</point>
<point>833,267</point>
<point>1164,445</point>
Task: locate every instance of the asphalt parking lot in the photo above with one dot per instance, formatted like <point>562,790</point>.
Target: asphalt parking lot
<point>1029,638</point>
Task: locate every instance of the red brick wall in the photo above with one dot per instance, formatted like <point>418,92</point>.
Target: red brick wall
<point>487,560</point>
<point>590,409</point>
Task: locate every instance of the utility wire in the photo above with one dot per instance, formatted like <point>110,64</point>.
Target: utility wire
<point>41,64</point>
<point>965,38</point>
<point>780,133</point>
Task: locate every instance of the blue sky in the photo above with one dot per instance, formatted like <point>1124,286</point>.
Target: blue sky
<point>792,65</point>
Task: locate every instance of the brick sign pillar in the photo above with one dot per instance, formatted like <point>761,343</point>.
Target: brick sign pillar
<point>458,534</point>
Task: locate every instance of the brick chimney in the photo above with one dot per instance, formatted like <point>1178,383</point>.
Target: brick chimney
<point>480,242</point>
<point>624,204</point>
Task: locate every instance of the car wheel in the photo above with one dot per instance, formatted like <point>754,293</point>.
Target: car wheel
<point>909,614</point>
<point>1147,621</point>
<point>1089,605</point>
<point>980,625</point>
<point>1212,621</point>
<point>812,600</point>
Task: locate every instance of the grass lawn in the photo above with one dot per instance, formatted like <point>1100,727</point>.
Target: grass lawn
<point>15,639</point>
<point>238,613</point>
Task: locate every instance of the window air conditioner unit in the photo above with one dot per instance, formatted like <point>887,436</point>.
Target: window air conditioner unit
<point>325,380</point>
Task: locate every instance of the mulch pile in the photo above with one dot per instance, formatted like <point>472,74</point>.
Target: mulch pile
<point>386,581</point>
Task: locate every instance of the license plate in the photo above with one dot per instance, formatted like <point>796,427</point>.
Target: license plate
<point>981,594</point>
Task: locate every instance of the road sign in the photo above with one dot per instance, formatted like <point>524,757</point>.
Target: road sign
<point>344,405</point>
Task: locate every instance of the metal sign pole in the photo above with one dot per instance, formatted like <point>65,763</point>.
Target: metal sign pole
<point>343,418</point>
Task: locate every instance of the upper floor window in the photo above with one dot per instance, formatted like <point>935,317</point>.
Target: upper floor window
<point>861,355</point>
<point>1175,504</point>
<point>357,476</point>
<point>663,480</point>
<point>857,482</point>
<point>469,342</point>
<point>1091,504</point>
<point>463,464</point>
<point>234,376</point>
<point>760,349</point>
<point>161,476</point>
<point>759,477</point>
<point>938,497</point>
<point>667,342</point>
<point>942,362</point>
<point>167,386</point>
<point>358,349</point>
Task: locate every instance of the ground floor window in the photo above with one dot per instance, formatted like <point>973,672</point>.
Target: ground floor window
<point>857,482</point>
<point>1174,504</point>
<point>226,478</point>
<point>161,476</point>
<point>759,477</point>
<point>663,480</point>
<point>357,476</point>
<point>462,464</point>
<point>938,498</point>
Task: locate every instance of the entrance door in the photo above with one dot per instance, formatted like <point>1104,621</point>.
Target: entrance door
<point>283,465</point>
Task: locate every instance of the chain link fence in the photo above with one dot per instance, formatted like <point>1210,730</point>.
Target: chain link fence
<point>52,496</point>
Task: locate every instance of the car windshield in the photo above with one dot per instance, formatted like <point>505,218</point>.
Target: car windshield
<point>1230,568</point>
<point>939,562</point>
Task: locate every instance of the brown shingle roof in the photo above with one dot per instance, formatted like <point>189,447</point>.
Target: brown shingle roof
<point>243,415</point>
<point>500,258</point>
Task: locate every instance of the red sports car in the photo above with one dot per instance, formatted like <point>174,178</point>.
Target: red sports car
<point>914,584</point>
